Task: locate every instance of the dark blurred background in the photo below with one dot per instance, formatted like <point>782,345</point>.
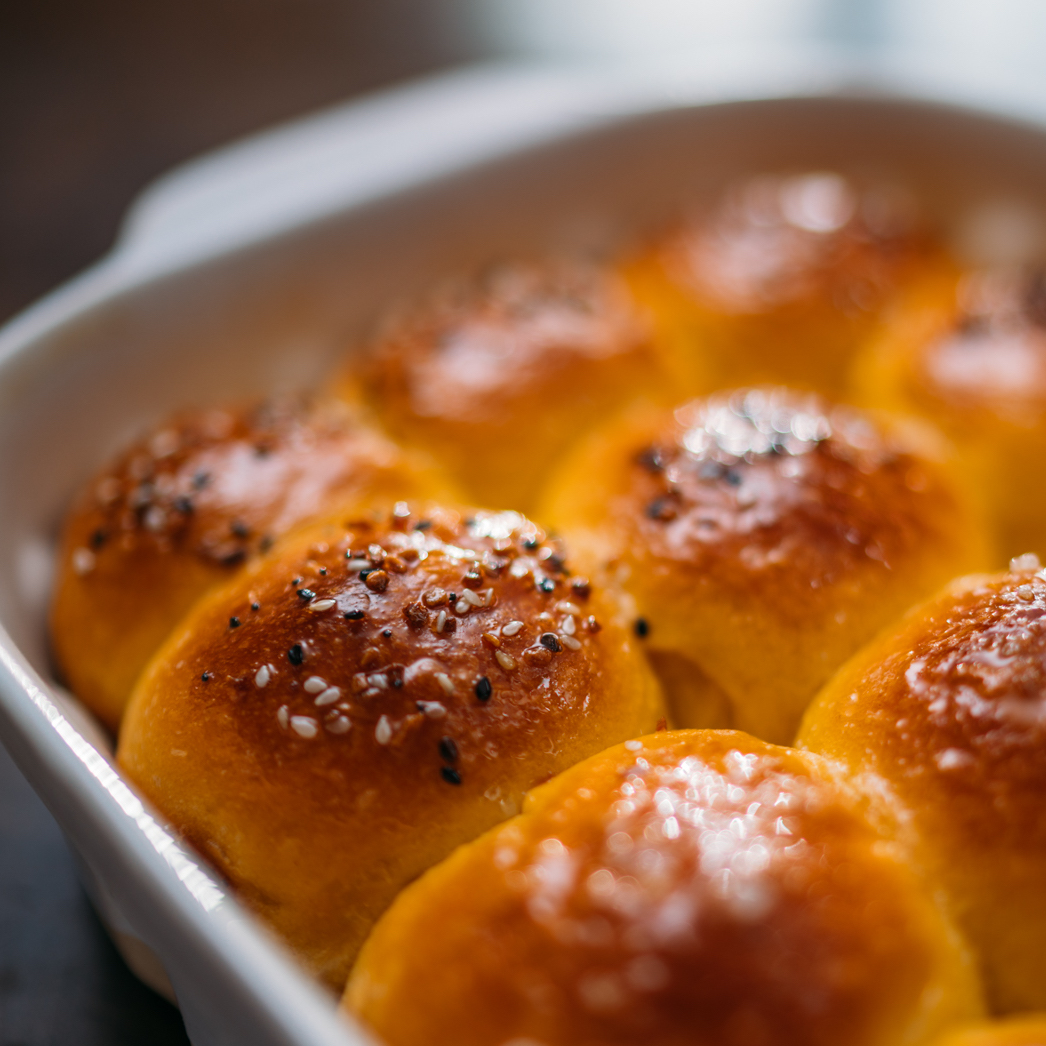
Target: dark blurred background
<point>97,99</point>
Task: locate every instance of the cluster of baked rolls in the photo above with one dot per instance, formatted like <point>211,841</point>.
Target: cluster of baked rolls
<point>551,676</point>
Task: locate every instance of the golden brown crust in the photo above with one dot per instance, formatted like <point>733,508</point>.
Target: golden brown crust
<point>694,887</point>
<point>780,282</point>
<point>333,722</point>
<point>969,353</point>
<point>948,712</point>
<point>497,375</point>
<point>766,536</point>
<point>1017,1031</point>
<point>184,507</point>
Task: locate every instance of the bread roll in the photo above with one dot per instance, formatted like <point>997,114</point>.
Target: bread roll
<point>945,716</point>
<point>1017,1031</point>
<point>780,281</point>
<point>368,696</point>
<point>498,375</point>
<point>696,887</point>
<point>969,353</point>
<point>181,510</point>
<point>764,537</point>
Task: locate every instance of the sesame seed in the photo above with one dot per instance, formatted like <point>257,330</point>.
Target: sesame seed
<point>642,628</point>
<point>234,622</point>
<point>491,640</point>
<point>537,655</point>
<point>315,685</point>
<point>356,564</point>
<point>469,596</point>
<point>303,726</point>
<point>550,641</point>
<point>432,709</point>
<point>450,775</point>
<point>518,569</point>
<point>339,725</point>
<point>441,620</point>
<point>511,628</point>
<point>371,691</point>
<point>306,594</point>
<point>448,749</point>
<point>461,607</point>
<point>483,688</point>
<point>353,615</point>
<point>570,642</point>
<point>401,510</point>
<point>383,731</point>
<point>445,681</point>
<point>375,580</point>
<point>379,680</point>
<point>296,655</point>
<point>322,604</point>
<point>262,677</point>
<point>83,560</point>
<point>155,519</point>
<point>328,697</point>
<point>283,716</point>
<point>565,607</point>
<point>569,625</point>
<point>507,661</point>
<point>634,746</point>
<point>376,554</point>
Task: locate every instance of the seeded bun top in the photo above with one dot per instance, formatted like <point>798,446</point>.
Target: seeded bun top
<point>948,712</point>
<point>184,507</point>
<point>765,535</point>
<point>372,693</point>
<point>689,887</point>
<point>498,374</point>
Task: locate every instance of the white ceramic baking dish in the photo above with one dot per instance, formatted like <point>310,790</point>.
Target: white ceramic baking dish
<point>251,270</point>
